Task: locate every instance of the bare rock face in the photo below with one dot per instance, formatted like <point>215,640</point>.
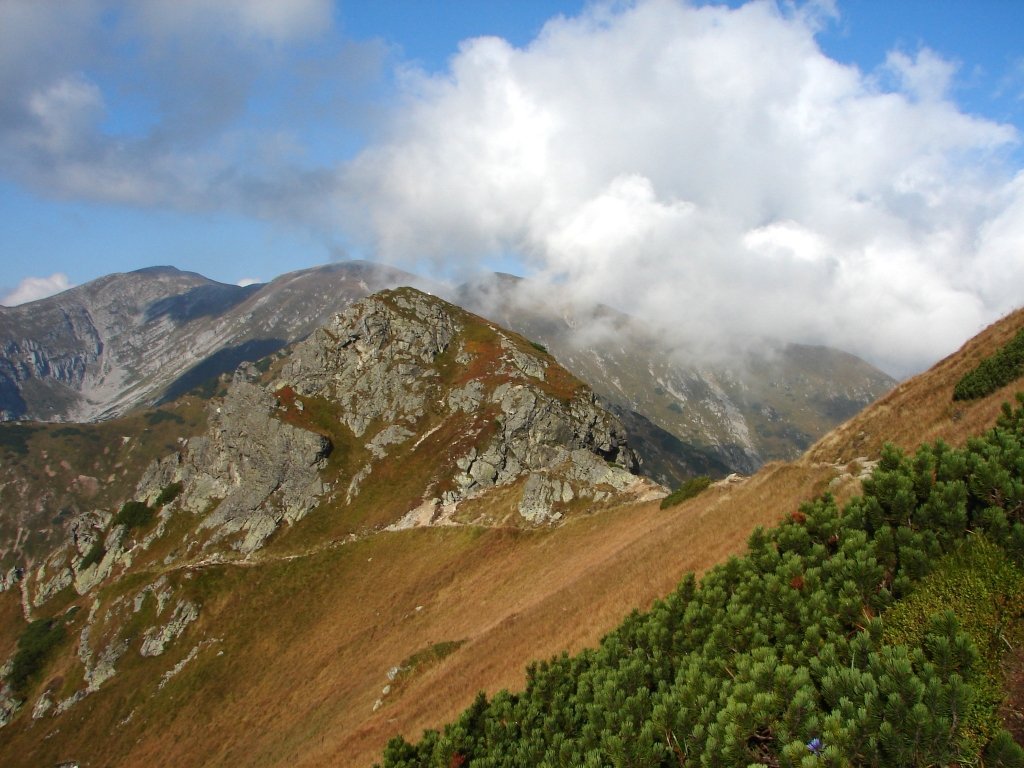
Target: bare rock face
<point>156,639</point>
<point>375,359</point>
<point>250,471</point>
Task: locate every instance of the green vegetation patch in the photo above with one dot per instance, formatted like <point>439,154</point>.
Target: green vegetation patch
<point>168,494</point>
<point>692,487</point>
<point>159,417</point>
<point>428,657</point>
<point>135,514</point>
<point>994,372</point>
<point>35,647</point>
<point>979,589</point>
<point>14,437</point>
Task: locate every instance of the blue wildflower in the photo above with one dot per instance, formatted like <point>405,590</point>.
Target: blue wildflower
<point>814,745</point>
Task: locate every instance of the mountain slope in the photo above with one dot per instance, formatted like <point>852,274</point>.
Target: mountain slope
<point>750,407</point>
<point>404,412</point>
<point>77,354</point>
<point>922,409</point>
<point>100,349</point>
<point>313,635</point>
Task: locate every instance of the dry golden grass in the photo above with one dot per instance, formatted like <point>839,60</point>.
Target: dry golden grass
<point>921,409</point>
<point>11,622</point>
<point>307,643</point>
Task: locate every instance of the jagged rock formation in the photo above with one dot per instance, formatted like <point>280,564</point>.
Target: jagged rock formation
<point>403,360</point>
<point>394,369</point>
<point>255,469</point>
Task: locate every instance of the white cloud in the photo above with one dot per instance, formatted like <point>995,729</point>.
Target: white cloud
<point>150,103</point>
<point>708,169</point>
<point>712,171</point>
<point>35,288</point>
<point>272,20</point>
<point>65,112</point>
<point>247,281</point>
<point>927,76</point>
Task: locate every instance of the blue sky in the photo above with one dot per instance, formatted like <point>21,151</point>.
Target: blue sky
<point>670,158</point>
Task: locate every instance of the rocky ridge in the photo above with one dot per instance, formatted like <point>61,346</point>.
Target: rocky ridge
<point>399,379</point>
<point>395,368</point>
<point>125,341</point>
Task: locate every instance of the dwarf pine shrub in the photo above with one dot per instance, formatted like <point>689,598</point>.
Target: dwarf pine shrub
<point>782,657</point>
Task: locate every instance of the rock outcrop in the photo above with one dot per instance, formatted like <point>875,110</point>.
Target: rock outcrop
<point>249,472</point>
<point>402,362</point>
<point>390,372</point>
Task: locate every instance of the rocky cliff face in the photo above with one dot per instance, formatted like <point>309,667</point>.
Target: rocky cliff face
<point>251,468</point>
<point>404,363</point>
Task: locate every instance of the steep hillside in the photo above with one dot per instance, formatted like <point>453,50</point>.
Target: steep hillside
<point>334,636</point>
<point>403,413</point>
<point>922,409</point>
<point>872,634</point>
<point>51,474</point>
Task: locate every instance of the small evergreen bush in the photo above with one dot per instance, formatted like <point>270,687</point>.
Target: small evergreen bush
<point>687,490</point>
<point>34,649</point>
<point>168,494</point>
<point>844,637</point>
<point>134,514</point>
<point>994,372</point>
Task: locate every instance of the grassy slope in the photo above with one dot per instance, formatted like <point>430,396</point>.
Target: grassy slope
<point>921,409</point>
<point>343,617</point>
<point>299,689</point>
<point>57,470</point>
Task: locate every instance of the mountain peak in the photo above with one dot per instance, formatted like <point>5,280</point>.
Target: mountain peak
<point>405,395</point>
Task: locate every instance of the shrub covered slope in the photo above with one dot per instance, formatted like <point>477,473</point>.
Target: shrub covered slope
<point>868,635</point>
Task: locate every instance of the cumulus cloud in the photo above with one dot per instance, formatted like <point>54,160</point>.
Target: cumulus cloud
<point>712,171</point>
<point>247,281</point>
<point>35,288</point>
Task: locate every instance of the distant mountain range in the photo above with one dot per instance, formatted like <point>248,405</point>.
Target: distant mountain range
<point>130,340</point>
